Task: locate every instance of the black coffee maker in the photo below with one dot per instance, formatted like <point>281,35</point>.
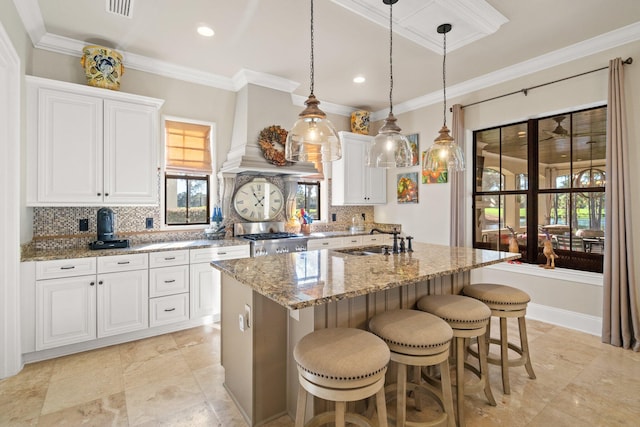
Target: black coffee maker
<point>106,232</point>
<point>106,227</point>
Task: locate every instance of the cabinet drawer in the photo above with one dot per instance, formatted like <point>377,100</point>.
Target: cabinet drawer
<point>351,241</point>
<point>168,280</point>
<point>168,258</point>
<point>111,264</point>
<point>335,242</point>
<point>65,268</point>
<point>377,239</point>
<point>171,309</point>
<point>218,253</point>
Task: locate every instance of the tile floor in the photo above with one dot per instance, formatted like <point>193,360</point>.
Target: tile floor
<point>176,380</point>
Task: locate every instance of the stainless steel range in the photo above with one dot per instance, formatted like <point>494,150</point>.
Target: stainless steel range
<point>268,238</point>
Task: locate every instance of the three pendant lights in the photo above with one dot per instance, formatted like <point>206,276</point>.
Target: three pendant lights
<point>314,139</point>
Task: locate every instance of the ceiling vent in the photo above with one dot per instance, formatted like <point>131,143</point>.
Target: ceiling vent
<point>120,7</point>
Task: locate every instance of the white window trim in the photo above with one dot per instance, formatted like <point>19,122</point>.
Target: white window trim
<point>213,178</point>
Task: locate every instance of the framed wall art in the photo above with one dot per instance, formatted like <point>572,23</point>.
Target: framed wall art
<point>407,187</point>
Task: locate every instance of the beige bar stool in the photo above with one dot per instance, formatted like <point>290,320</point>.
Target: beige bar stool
<point>341,365</point>
<point>505,302</point>
<point>417,339</point>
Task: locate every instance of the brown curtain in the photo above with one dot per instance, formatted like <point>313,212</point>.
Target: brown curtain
<point>620,317</point>
<point>456,233</point>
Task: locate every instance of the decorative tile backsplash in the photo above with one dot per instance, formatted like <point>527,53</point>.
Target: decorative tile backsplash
<point>58,227</point>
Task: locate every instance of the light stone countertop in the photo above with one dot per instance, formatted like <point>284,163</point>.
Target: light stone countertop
<point>303,279</point>
<point>31,254</point>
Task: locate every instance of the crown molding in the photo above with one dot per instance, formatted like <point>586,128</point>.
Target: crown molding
<point>327,107</point>
<point>29,12</point>
<point>246,76</point>
<point>601,43</point>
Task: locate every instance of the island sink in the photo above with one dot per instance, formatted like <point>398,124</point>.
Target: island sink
<point>369,250</point>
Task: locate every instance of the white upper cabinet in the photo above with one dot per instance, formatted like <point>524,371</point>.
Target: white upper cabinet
<point>90,146</point>
<point>353,182</point>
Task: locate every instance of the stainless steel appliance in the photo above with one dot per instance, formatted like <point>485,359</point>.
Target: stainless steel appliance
<point>268,238</point>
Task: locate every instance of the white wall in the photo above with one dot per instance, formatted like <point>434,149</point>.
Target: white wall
<point>568,294</point>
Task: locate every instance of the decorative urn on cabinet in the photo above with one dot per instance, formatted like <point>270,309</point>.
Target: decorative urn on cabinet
<point>102,67</point>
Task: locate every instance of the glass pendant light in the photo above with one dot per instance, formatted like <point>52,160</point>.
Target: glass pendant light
<point>390,148</point>
<point>312,138</point>
<point>444,154</point>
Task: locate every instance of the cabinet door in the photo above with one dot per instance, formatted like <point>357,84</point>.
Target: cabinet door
<point>130,159</point>
<point>205,291</point>
<point>69,147</point>
<point>354,151</point>
<point>123,302</point>
<point>65,311</point>
<point>376,185</point>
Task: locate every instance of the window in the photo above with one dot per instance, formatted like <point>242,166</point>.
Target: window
<point>544,178</point>
<point>187,173</point>
<point>308,197</point>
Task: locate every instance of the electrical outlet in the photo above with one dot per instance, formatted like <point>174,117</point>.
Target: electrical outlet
<point>148,223</point>
<point>364,216</point>
<point>83,224</point>
<point>333,217</point>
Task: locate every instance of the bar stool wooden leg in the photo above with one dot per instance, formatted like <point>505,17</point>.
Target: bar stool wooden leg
<point>460,379</point>
<point>300,408</point>
<point>484,369</point>
<point>401,393</point>
<point>341,408</point>
<point>524,345</point>
<point>447,395</point>
<point>381,406</point>
<point>504,355</point>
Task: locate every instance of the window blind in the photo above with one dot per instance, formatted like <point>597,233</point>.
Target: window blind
<point>188,147</point>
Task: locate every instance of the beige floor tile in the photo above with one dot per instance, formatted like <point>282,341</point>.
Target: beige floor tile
<point>149,371</point>
<point>200,415</point>
<point>201,355</point>
<point>22,396</point>
<point>89,361</point>
<point>195,336</point>
<point>107,411</point>
<point>146,349</point>
<point>83,387</point>
<point>154,402</point>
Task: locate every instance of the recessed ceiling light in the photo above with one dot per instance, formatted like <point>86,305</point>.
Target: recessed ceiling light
<point>205,31</point>
<point>359,79</point>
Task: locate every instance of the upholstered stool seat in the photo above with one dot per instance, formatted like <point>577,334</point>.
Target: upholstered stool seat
<point>417,339</point>
<point>341,365</point>
<point>505,302</point>
<point>468,318</point>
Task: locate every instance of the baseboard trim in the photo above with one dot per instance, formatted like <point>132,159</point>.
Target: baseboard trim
<point>565,318</point>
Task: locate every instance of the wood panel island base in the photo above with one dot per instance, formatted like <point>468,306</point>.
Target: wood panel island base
<point>269,303</point>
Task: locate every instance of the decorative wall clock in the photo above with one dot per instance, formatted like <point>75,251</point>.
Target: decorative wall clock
<point>258,200</point>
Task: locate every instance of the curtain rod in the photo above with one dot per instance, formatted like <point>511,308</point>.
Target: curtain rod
<point>526,90</point>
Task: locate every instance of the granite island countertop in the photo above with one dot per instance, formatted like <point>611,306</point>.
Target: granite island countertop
<point>304,279</point>
<point>31,254</point>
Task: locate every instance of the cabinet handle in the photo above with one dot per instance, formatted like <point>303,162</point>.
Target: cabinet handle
<point>100,282</point>
<point>123,262</point>
<point>169,258</point>
<point>325,243</point>
<point>169,281</point>
<point>106,194</point>
<point>70,267</point>
<point>169,309</point>
<point>222,253</point>
<point>92,283</point>
<point>99,194</point>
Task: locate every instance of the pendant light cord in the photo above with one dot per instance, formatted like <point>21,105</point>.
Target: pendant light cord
<point>311,59</point>
<point>391,58</point>
<point>444,80</point>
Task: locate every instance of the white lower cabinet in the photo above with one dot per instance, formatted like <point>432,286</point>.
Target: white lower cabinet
<point>123,302</point>
<point>65,311</point>
<point>72,309</point>
<point>205,280</point>
<point>168,287</point>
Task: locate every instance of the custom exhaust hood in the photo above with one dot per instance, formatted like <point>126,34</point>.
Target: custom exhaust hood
<point>258,107</point>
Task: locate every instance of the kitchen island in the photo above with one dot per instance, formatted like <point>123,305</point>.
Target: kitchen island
<point>269,303</point>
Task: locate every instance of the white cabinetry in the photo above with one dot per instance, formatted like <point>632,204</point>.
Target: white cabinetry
<point>90,146</point>
<point>353,182</point>
<point>168,287</point>
<point>205,280</point>
<point>76,303</point>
